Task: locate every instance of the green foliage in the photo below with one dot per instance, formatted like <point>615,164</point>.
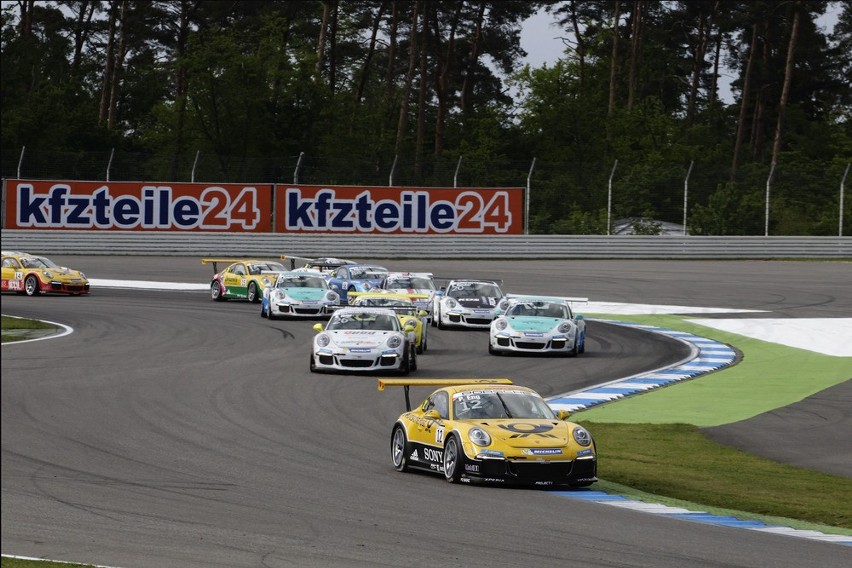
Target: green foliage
<point>241,89</point>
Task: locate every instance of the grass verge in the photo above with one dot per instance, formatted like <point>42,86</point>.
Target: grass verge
<point>17,329</point>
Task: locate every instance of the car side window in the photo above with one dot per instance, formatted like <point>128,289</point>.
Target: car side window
<point>439,401</point>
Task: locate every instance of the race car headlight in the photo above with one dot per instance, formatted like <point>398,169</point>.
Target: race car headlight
<point>323,340</point>
<point>564,327</point>
<point>279,294</point>
<point>479,437</point>
<point>394,341</point>
<point>368,286</point>
<point>451,303</point>
<point>581,436</point>
<point>265,281</point>
<point>332,297</point>
<point>83,276</point>
<point>501,324</point>
<point>48,274</point>
<point>411,322</point>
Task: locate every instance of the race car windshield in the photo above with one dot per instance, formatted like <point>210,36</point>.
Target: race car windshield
<point>379,322</point>
<point>367,274</point>
<point>266,267</point>
<point>413,283</point>
<point>538,309</point>
<point>302,282</point>
<point>38,262</point>
<point>474,291</point>
<point>383,303</point>
<point>507,404</point>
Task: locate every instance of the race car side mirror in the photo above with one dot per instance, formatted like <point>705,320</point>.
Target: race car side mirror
<point>407,328</point>
<point>579,316</point>
<point>562,414</point>
<point>422,313</point>
<point>433,414</point>
<point>318,327</point>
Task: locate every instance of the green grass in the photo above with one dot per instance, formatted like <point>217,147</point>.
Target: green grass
<point>17,329</point>
<point>18,563</point>
<point>679,462</point>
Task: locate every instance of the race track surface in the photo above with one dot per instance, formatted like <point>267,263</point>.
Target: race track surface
<point>171,431</point>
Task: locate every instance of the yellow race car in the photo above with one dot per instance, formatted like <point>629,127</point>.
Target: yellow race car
<point>242,278</point>
<point>491,431</point>
<point>405,308</point>
<point>33,274</point>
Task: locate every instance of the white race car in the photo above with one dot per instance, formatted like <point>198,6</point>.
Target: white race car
<point>299,294</point>
<point>537,324</point>
<point>467,303</point>
<point>420,287</point>
<point>364,340</point>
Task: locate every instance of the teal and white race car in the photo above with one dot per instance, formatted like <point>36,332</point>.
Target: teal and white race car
<point>297,294</point>
<point>538,324</point>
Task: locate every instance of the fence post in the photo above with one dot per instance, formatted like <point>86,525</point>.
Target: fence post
<point>195,163</point>
<point>298,168</point>
<point>686,193</point>
<point>842,184</point>
<point>21,161</point>
<point>109,164</point>
<point>527,201</point>
<point>393,169</point>
<point>609,200</point>
<point>456,176</point>
<point>768,189</point>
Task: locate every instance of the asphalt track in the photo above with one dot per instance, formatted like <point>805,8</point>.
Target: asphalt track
<point>172,431</point>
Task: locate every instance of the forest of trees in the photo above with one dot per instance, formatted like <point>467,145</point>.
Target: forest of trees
<point>433,92</point>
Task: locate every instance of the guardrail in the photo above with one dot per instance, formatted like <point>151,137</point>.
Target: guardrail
<point>399,246</point>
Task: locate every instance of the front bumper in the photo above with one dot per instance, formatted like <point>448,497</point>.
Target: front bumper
<point>468,319</point>
<point>579,472</point>
<point>532,344</point>
<point>60,287</point>
<point>302,310</point>
<point>347,361</point>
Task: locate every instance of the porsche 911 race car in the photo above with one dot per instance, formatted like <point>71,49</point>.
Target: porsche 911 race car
<point>32,275</point>
<point>363,340</point>
<point>324,264</point>
<point>467,303</point>
<point>489,430</point>
<point>537,324</point>
<point>405,309</point>
<point>420,286</point>
<point>298,294</point>
<point>242,278</point>
<point>356,278</point>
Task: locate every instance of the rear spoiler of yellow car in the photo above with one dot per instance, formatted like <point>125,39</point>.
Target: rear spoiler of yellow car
<point>408,383</point>
<point>216,261</point>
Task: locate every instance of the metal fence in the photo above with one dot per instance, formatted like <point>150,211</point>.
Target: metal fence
<point>564,197</point>
<point>510,248</point>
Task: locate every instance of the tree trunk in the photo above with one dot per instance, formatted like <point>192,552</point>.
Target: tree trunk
<point>467,84</point>
<point>419,139</point>
<point>442,83</point>
<point>409,79</point>
<point>788,76</point>
<point>581,48</point>
<point>635,44</point>
<point>332,50</point>
<point>738,141</point>
<point>181,80</point>
<point>697,67</point>
<point>109,61</point>
<point>326,14</point>
<point>613,67</point>
<point>115,81</point>
<point>365,69</point>
<point>82,30</point>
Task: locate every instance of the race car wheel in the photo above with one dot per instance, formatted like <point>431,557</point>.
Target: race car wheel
<point>253,296</point>
<point>573,351</point>
<point>31,286</point>
<point>582,347</point>
<point>491,350</point>
<point>405,366</point>
<point>216,292</point>
<point>313,366</point>
<point>263,313</point>
<point>399,449</point>
<point>453,459</point>
<point>413,359</point>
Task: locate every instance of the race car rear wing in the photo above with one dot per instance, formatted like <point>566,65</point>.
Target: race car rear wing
<point>408,383</point>
<point>533,298</point>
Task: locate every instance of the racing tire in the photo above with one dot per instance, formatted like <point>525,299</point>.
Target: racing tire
<point>436,317</point>
<point>491,350</point>
<point>313,366</point>
<point>216,292</point>
<point>253,296</point>
<point>405,366</point>
<point>453,459</point>
<point>573,351</point>
<point>425,341</point>
<point>31,286</point>
<point>582,347</point>
<point>412,361</point>
<point>399,449</point>
<point>263,313</point>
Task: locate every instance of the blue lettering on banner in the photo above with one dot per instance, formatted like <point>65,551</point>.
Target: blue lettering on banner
<point>413,212</point>
<point>157,208</point>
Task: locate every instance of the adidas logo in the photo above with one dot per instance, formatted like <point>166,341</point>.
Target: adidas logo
<point>414,456</point>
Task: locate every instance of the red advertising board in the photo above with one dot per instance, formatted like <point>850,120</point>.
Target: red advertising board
<point>418,210</point>
<point>138,206</point>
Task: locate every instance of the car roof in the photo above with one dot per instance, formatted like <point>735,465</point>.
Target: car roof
<point>364,309</point>
<point>456,389</point>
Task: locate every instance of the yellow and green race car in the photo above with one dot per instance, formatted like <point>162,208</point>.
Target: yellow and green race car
<point>31,274</point>
<point>242,278</point>
<point>405,308</point>
<point>491,431</point>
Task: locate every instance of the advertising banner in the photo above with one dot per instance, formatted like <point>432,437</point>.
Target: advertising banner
<point>138,206</point>
<point>417,210</point>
